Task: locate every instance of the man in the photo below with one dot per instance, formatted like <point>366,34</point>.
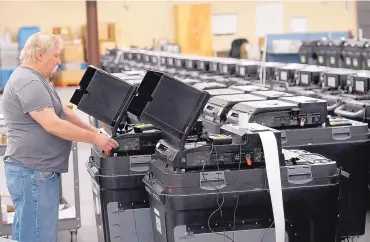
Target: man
<point>40,131</point>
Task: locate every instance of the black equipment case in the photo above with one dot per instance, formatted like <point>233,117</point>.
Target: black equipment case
<point>345,141</point>
<point>187,205</point>
<point>121,202</point>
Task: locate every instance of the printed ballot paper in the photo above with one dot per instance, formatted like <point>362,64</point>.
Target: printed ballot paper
<point>271,154</point>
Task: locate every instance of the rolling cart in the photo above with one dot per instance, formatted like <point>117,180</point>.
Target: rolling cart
<point>69,215</point>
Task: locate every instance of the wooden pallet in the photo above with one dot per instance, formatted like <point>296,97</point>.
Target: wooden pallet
<point>66,84</point>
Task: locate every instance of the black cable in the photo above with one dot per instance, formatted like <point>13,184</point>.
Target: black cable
<point>218,168</point>
<point>237,182</point>
<point>219,208</point>
<point>264,234</point>
<point>220,205</point>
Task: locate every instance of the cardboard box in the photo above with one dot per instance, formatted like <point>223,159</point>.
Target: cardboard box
<point>70,77</point>
<point>106,32</point>
<point>63,30</point>
<point>104,45</point>
<point>73,53</point>
<point>67,66</point>
<point>9,55</point>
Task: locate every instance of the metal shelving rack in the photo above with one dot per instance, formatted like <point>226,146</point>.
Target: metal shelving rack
<point>71,224</point>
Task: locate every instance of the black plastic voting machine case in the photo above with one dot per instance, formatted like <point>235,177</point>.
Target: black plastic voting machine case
<point>352,54</point>
<point>247,69</point>
<point>333,53</point>
<point>214,113</point>
<point>306,52</point>
<point>319,50</point>
<point>333,98</point>
<point>336,78</point>
<point>184,174</point>
<point>121,202</point>
<point>310,76</point>
<point>288,73</point>
<point>346,142</point>
<point>186,205</point>
<point>267,71</point>
<point>297,111</point>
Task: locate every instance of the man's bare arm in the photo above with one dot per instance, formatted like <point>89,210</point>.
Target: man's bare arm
<point>48,119</point>
<point>72,117</point>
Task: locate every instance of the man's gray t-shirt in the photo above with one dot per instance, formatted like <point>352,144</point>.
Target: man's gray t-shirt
<point>28,142</point>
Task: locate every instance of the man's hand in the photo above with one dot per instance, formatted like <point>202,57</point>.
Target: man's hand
<point>104,142</point>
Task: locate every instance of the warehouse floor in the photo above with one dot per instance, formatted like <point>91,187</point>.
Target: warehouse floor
<point>87,232</point>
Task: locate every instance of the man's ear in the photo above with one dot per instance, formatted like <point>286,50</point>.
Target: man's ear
<point>38,55</point>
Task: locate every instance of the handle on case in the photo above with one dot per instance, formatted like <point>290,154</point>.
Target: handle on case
<point>299,175</point>
<point>341,112</point>
<point>331,108</point>
<point>233,116</point>
<point>140,163</point>
<point>91,169</point>
<point>283,137</point>
<point>212,180</point>
<point>341,133</point>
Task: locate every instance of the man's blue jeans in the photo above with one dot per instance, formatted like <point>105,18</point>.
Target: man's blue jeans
<point>35,196</point>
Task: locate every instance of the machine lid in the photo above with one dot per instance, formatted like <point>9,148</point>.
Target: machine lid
<point>230,100</point>
<point>249,88</point>
<point>103,96</point>
<point>302,99</point>
<point>191,81</point>
<point>209,85</point>
<point>272,94</point>
<point>223,91</point>
<point>268,104</point>
<point>173,107</point>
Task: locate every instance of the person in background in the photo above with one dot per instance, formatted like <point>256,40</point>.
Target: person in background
<point>40,134</point>
<point>236,50</point>
<point>242,49</point>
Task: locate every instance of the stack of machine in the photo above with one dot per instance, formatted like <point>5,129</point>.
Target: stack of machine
<point>206,187</point>
<point>121,201</point>
<point>169,180</point>
<point>215,112</point>
<point>320,108</point>
<point>304,124</point>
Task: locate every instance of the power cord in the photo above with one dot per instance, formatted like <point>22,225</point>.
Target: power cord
<point>219,205</point>
<point>267,230</point>
<point>237,183</point>
<point>218,168</point>
<point>220,192</point>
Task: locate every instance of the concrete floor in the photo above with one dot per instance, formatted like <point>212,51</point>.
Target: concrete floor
<point>87,232</point>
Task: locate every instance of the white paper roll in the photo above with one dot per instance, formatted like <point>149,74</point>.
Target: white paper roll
<point>243,120</point>
<point>271,154</point>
